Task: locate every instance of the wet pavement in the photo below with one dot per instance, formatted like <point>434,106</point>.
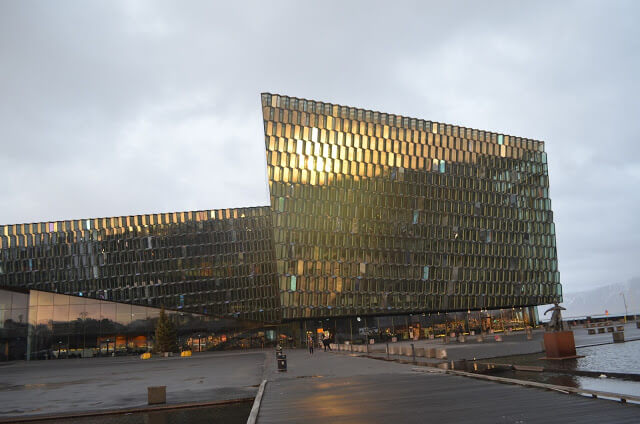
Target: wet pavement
<point>352,389</point>
<point>326,386</point>
<point>76,385</point>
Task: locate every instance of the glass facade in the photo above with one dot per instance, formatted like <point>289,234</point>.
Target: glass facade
<point>216,262</point>
<point>375,213</point>
<point>59,326</point>
<point>384,225</point>
<point>14,310</point>
<point>388,328</point>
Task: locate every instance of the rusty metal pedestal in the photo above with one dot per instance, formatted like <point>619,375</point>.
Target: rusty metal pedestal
<point>560,345</point>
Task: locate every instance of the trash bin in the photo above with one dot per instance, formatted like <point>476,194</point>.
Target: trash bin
<point>282,362</point>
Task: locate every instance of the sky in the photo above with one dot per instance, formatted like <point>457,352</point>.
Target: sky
<point>133,107</point>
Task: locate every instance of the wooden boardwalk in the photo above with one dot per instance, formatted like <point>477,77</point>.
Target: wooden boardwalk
<point>428,398</point>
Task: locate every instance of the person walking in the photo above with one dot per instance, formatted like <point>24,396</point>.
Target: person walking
<point>310,343</point>
<point>327,343</point>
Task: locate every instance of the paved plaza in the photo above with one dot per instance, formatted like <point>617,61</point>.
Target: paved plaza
<point>75,385</point>
<point>515,343</point>
<point>325,386</point>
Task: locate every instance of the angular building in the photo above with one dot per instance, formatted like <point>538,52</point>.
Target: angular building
<point>379,226</point>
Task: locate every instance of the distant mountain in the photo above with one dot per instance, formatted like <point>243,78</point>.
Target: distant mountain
<point>597,301</point>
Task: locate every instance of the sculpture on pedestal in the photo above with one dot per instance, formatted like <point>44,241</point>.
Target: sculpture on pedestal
<point>556,324</point>
<point>558,342</point>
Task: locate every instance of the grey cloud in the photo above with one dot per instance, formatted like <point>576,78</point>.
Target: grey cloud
<point>112,108</point>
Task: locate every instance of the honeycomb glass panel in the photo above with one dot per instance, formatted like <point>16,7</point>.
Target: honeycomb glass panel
<point>421,202</point>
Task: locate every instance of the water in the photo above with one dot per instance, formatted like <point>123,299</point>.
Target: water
<point>616,357</point>
<point>623,358</point>
<point>612,385</point>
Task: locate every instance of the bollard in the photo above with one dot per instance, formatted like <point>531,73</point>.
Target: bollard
<point>618,337</point>
<point>480,338</point>
<point>387,350</point>
<point>461,338</point>
<point>413,352</point>
<point>441,353</point>
<point>281,359</point>
<point>156,394</point>
<point>282,363</point>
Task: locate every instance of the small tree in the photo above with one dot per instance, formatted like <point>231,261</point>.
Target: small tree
<point>166,337</point>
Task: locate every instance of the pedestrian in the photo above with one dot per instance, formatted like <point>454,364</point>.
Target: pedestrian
<point>310,343</point>
<point>327,343</point>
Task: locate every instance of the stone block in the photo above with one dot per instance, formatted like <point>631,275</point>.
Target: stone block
<point>157,394</point>
<point>618,337</point>
<point>441,353</point>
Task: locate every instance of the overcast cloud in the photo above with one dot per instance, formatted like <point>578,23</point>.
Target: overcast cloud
<point>117,108</point>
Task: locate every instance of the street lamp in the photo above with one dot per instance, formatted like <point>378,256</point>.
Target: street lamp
<point>625,307</point>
